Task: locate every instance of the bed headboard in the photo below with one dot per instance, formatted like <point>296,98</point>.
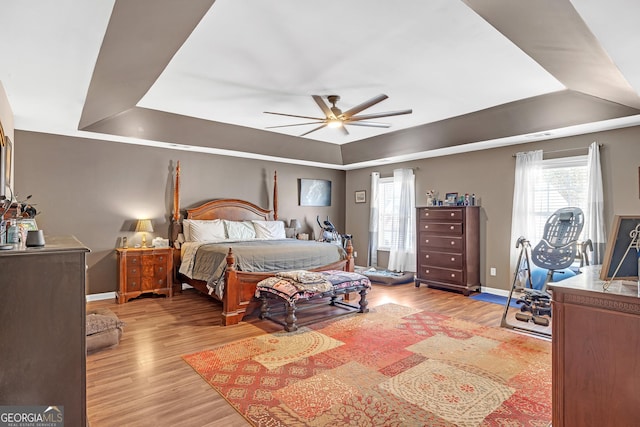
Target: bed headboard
<point>231,209</point>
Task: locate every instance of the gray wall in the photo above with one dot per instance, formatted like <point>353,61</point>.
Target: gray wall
<point>96,190</point>
<point>490,175</point>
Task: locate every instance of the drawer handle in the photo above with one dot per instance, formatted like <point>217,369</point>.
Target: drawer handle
<point>453,259</point>
<point>161,258</point>
<point>134,260</point>
<point>426,271</point>
<point>453,274</point>
<point>161,269</point>
<point>453,214</point>
<point>426,214</point>
<point>426,227</point>
<point>426,241</point>
<point>426,256</point>
<point>451,228</point>
<point>134,270</point>
<point>453,242</point>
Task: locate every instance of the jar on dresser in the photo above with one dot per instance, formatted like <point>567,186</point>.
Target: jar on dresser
<point>144,270</point>
<point>448,247</point>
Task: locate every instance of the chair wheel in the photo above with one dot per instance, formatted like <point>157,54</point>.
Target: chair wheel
<point>523,317</point>
<point>542,321</point>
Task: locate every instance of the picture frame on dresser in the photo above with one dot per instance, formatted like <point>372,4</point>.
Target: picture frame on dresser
<point>451,199</point>
<point>620,257</point>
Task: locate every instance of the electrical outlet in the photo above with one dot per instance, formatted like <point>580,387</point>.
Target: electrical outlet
<point>493,271</point>
<point>355,254</point>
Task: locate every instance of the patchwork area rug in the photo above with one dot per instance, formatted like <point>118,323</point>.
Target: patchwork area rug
<point>394,366</point>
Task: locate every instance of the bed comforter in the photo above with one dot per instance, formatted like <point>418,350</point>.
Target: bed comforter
<point>207,261</point>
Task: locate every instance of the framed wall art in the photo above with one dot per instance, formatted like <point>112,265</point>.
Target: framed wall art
<point>315,192</point>
<point>361,196</point>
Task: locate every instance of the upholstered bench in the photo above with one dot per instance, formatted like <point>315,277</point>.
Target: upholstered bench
<point>294,287</point>
<point>104,329</point>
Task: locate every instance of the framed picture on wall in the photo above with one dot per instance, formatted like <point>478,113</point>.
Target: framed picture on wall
<point>361,196</point>
<point>315,192</point>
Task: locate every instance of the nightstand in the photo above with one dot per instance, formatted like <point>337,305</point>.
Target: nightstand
<point>144,270</point>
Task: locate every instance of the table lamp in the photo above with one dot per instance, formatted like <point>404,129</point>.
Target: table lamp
<point>295,224</point>
<point>144,226</point>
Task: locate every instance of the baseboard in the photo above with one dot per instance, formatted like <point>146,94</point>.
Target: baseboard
<point>110,295</point>
<point>494,291</point>
<point>102,296</point>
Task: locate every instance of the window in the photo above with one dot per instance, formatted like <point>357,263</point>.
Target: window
<point>563,182</point>
<point>387,221</point>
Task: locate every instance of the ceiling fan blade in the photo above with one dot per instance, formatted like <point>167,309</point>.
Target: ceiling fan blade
<point>355,110</point>
<point>323,106</point>
<point>344,129</point>
<point>314,129</point>
<point>378,115</point>
<point>368,124</point>
<point>296,124</point>
<point>294,115</point>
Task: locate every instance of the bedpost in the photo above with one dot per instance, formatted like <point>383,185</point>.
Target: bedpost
<point>176,195</point>
<point>231,313</point>
<point>350,261</point>
<point>275,195</point>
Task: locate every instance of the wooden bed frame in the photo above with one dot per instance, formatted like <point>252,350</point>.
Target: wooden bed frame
<point>240,286</point>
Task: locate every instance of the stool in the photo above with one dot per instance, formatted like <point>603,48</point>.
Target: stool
<point>284,290</point>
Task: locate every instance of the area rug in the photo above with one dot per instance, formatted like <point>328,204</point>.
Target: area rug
<point>394,366</point>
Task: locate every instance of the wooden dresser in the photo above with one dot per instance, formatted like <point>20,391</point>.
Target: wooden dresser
<point>448,247</point>
<point>42,327</point>
<point>144,270</point>
<point>596,352</point>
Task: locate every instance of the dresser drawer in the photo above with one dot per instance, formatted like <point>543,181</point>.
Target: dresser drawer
<point>449,228</point>
<point>150,283</point>
<point>133,283</point>
<point>440,259</point>
<point>453,244</point>
<point>441,274</point>
<point>441,214</point>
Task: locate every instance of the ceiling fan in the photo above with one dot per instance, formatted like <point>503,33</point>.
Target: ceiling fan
<point>334,117</point>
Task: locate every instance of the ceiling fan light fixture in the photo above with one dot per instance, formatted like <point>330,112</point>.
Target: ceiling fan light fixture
<point>335,123</point>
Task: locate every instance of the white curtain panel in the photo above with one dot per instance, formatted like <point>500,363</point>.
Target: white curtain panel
<point>528,169</point>
<point>594,213</point>
<point>402,256</point>
<point>372,254</point>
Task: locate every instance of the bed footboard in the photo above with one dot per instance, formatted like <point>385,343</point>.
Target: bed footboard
<point>240,287</point>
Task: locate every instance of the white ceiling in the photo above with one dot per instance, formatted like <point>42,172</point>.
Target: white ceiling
<point>442,58</point>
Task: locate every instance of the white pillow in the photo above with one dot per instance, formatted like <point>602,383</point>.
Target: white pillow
<point>204,230</point>
<point>269,229</point>
<point>240,230</point>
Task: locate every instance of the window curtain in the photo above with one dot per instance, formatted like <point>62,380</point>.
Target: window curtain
<point>594,215</point>
<point>402,256</point>
<point>528,167</point>
<point>372,254</point>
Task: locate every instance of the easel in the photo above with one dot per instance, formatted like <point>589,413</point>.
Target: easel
<point>523,265</point>
<point>634,243</point>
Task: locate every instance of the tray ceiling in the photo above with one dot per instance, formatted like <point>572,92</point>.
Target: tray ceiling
<point>199,77</point>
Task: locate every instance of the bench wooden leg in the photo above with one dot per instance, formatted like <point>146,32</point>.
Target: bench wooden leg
<point>264,308</point>
<point>363,301</point>
<point>291,319</point>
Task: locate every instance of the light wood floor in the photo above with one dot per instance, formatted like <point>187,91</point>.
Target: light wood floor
<point>144,381</point>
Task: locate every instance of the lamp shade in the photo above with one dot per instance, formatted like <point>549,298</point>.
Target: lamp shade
<point>295,224</point>
<point>144,225</point>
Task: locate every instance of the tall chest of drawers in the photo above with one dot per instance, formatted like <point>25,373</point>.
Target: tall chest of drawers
<point>448,247</point>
